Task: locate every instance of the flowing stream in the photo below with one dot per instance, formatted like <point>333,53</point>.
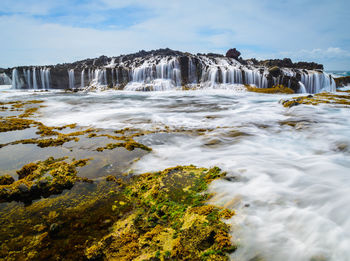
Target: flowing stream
<point>288,168</point>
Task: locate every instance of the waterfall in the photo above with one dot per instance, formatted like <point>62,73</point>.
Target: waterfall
<point>47,77</point>
<point>90,75</point>
<point>302,88</point>
<point>15,80</point>
<point>27,74</point>
<point>112,72</point>
<point>159,75</point>
<point>82,78</point>
<point>213,76</point>
<point>4,79</point>
<point>104,77</point>
<point>192,72</point>
<point>315,82</point>
<point>71,78</point>
<point>35,84</point>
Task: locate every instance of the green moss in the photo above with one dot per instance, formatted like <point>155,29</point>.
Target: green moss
<point>275,89</point>
<point>169,219</point>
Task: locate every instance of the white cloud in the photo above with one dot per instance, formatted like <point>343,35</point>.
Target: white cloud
<point>258,28</point>
<point>318,53</point>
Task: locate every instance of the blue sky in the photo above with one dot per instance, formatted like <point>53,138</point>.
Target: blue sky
<point>36,32</point>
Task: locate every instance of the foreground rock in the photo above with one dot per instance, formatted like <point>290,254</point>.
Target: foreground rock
<point>153,216</point>
<point>41,179</point>
<point>342,81</point>
<point>163,216</point>
<point>274,89</point>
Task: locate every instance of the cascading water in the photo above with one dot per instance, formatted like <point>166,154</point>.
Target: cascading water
<point>192,72</point>
<point>82,78</point>
<point>4,79</point>
<point>15,80</point>
<point>27,74</point>
<point>155,75</point>
<point>315,82</point>
<point>35,83</point>
<point>71,78</point>
<point>45,78</point>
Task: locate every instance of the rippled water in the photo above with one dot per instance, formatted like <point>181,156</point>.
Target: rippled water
<point>288,169</point>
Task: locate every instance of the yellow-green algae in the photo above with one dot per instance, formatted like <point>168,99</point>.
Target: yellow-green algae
<point>41,179</point>
<point>342,99</point>
<point>167,219</point>
<point>275,89</point>
<point>59,227</point>
<point>153,216</point>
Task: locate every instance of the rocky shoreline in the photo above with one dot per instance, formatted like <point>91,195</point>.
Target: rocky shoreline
<point>165,69</point>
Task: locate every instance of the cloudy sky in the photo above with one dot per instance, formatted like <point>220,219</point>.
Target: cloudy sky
<point>37,32</point>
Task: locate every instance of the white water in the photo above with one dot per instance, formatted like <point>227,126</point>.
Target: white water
<point>45,78</point>
<point>290,185</point>
<point>4,79</point>
<point>71,78</point>
<point>82,79</point>
<point>315,82</point>
<point>15,80</point>
<point>155,75</point>
<point>25,80</point>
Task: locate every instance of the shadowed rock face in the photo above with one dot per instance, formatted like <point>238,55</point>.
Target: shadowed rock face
<point>287,63</point>
<point>342,81</point>
<point>233,53</point>
<point>164,69</point>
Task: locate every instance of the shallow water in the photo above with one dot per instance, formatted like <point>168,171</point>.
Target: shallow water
<point>288,169</point>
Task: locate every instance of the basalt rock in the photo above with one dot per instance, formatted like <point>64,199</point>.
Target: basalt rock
<point>233,53</point>
<point>342,81</point>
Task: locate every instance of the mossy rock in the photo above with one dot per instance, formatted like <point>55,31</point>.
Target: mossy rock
<point>169,219</point>
<point>275,71</point>
<point>336,99</point>
<point>41,179</point>
<point>275,89</point>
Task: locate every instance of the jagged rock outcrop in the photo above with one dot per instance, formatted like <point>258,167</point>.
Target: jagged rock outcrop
<point>342,81</point>
<point>165,69</point>
<point>233,53</point>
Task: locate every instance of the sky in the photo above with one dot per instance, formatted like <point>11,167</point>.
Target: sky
<point>37,32</point>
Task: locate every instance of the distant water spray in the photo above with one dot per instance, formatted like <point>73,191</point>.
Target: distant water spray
<point>82,78</point>
<point>27,74</point>
<point>4,79</point>
<point>192,72</point>
<point>316,82</point>
<point>45,78</point>
<point>162,75</point>
<point>15,80</point>
<point>71,78</point>
<point>35,84</point>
